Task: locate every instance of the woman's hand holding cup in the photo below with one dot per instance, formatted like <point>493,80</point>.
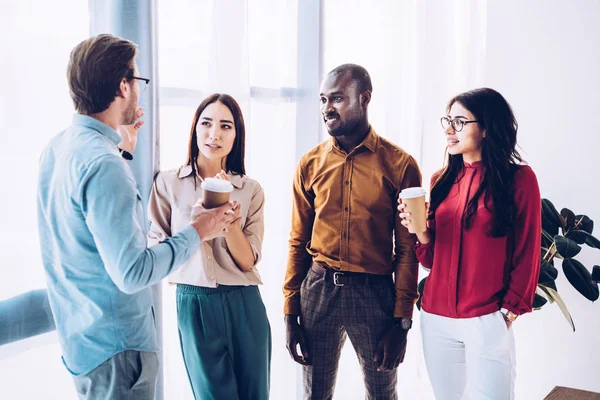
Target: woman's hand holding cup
<point>405,213</point>
<point>214,222</point>
<point>413,212</point>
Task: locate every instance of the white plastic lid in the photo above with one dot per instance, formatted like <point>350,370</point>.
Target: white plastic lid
<point>217,185</point>
<point>413,192</point>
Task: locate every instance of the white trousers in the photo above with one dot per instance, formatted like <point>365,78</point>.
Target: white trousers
<point>469,358</point>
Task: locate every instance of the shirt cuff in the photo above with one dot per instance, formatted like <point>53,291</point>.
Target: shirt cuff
<point>422,245</point>
<point>191,235</point>
<point>403,310</point>
<point>292,307</point>
<point>514,309</point>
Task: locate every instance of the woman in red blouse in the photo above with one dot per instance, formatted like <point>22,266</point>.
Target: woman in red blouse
<point>482,247</point>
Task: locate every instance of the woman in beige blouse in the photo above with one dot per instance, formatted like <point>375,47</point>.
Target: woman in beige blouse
<point>224,332</point>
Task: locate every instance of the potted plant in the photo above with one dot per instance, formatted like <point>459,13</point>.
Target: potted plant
<point>562,236</point>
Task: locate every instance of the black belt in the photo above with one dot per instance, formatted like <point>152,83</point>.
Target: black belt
<point>341,278</point>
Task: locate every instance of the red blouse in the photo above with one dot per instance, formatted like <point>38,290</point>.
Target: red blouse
<point>473,274</point>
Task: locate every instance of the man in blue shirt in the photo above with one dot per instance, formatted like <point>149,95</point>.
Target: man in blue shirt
<point>93,234</point>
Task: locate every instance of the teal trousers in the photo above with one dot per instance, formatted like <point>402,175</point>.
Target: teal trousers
<point>225,339</point>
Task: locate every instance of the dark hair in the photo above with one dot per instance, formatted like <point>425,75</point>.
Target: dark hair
<point>235,159</point>
<point>96,68</point>
<point>359,75</point>
<point>499,157</point>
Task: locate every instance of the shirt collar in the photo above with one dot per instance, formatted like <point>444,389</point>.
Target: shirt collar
<point>97,125</point>
<point>370,142</point>
<point>476,164</point>
<point>186,170</point>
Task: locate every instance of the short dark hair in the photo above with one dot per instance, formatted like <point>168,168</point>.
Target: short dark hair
<point>359,75</point>
<point>235,159</point>
<point>96,68</point>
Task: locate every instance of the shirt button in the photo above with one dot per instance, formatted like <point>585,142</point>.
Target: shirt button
<point>212,278</point>
<point>347,183</point>
<point>344,235</point>
<point>209,257</point>
<point>345,208</point>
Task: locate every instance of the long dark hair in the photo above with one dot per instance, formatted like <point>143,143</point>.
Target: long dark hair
<point>234,162</point>
<point>499,157</point>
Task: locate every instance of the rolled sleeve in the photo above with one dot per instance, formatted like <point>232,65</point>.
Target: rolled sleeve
<point>424,253</point>
<point>405,260</point>
<point>254,229</point>
<point>159,212</point>
<point>299,260</point>
<point>525,268</point>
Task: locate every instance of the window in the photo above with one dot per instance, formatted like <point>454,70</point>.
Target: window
<point>222,46</point>
<point>34,106</point>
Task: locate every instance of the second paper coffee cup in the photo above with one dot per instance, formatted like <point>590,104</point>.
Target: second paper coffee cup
<point>215,192</point>
<point>414,199</point>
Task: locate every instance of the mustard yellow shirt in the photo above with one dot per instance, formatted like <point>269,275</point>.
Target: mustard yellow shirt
<point>345,216</point>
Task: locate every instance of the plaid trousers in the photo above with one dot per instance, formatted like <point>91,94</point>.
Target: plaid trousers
<point>329,314</point>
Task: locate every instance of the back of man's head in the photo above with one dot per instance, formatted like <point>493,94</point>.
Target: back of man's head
<point>96,68</point>
<point>359,75</point>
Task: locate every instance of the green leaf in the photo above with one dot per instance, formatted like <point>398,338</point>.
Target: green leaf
<point>592,242</point>
<point>540,291</point>
<point>581,279</point>
<point>596,273</point>
<point>538,301</point>
<point>556,255</point>
<point>551,219</point>
<point>551,285</point>
<point>581,237</point>
<point>549,226</point>
<point>569,219</point>
<point>547,273</point>
<point>421,289</point>
<point>584,223</point>
<point>547,235</point>
<point>578,236</point>
<point>553,294</point>
<point>566,247</point>
<point>547,239</point>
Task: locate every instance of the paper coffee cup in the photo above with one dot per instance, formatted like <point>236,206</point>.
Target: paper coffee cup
<point>414,200</point>
<point>215,192</point>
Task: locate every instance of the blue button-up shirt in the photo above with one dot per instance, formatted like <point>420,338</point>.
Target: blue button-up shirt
<point>93,242</point>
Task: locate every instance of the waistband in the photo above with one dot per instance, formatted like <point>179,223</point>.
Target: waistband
<point>341,278</point>
<point>191,289</point>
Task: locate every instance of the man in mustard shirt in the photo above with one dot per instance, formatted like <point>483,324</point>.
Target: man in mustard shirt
<point>352,270</point>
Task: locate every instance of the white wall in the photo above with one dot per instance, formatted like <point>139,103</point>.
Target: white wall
<point>547,64</point>
<point>544,57</point>
<point>35,41</point>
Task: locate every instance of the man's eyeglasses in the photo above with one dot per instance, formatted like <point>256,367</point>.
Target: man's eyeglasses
<point>457,123</point>
<point>145,80</point>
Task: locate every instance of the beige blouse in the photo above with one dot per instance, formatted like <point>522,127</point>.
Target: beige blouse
<point>173,196</point>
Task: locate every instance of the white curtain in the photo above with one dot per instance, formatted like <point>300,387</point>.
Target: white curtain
<point>543,56</point>
<point>247,49</point>
<point>36,38</point>
<point>419,54</point>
